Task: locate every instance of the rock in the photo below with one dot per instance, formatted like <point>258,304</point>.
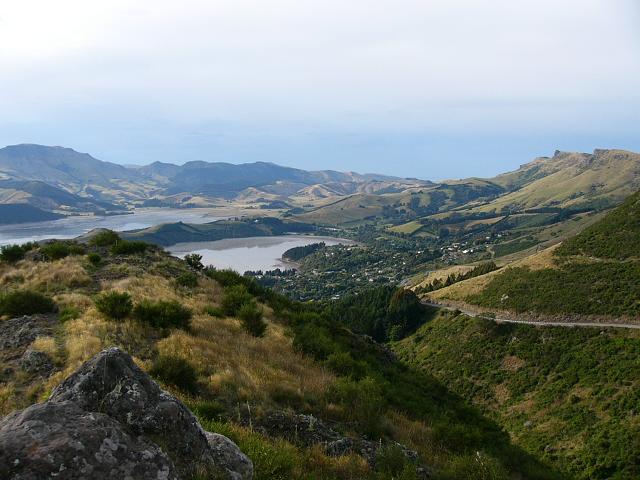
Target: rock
<point>33,361</point>
<point>60,440</point>
<point>297,428</point>
<point>21,331</point>
<point>227,456</point>
<point>113,384</point>
<point>111,420</point>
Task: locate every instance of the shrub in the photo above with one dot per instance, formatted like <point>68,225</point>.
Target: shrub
<point>57,250</point>
<point>234,297</point>
<point>392,463</point>
<point>363,401</point>
<point>187,279</point>
<point>126,247</point>
<point>175,371</point>
<point>344,364</point>
<point>194,261</point>
<point>94,259</point>
<point>209,409</point>
<point>214,311</point>
<point>115,305</point>
<point>25,302</point>
<point>163,314</point>
<point>68,313</point>
<point>252,321</point>
<point>314,340</point>
<point>105,238</point>
<point>14,253</point>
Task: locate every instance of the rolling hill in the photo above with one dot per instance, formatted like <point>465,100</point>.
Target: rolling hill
<point>592,273</point>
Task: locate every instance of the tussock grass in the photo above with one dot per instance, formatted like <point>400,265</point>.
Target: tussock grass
<point>255,369</point>
<point>48,277</point>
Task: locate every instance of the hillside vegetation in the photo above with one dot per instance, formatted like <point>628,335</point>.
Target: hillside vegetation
<point>238,354</point>
<point>593,273</point>
<point>570,396</point>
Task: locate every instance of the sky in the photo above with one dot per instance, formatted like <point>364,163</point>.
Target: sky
<point>429,89</point>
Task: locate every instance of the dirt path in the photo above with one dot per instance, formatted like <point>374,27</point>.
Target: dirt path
<point>479,314</point>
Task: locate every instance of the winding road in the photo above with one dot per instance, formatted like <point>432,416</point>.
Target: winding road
<point>472,313</point>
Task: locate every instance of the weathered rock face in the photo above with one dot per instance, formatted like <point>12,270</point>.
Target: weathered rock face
<point>63,440</point>
<point>21,331</point>
<point>308,430</point>
<point>120,417</point>
<point>33,361</point>
<point>112,383</point>
<point>228,457</point>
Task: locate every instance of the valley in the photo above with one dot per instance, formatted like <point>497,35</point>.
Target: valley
<point>381,308</point>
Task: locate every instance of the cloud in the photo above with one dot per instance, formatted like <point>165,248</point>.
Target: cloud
<point>101,72</point>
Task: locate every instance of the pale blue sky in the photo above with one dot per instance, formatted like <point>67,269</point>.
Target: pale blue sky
<point>433,89</point>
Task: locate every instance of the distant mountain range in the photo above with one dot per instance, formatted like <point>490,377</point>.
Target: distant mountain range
<point>59,180</point>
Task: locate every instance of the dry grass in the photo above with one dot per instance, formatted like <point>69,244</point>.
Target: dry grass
<point>461,290</point>
<point>256,369</point>
<point>47,277</point>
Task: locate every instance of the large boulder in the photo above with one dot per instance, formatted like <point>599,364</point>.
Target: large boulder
<point>60,440</point>
<point>112,388</point>
<point>229,458</point>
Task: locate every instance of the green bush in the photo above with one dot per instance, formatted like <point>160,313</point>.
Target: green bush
<point>363,401</point>
<point>477,466</point>
<point>105,238</point>
<point>68,313</point>
<point>194,261</point>
<point>235,297</point>
<point>14,253</point>
<point>163,314</point>
<point>391,462</point>
<point>214,311</point>
<point>252,321</point>
<point>187,280</point>
<point>175,371</point>
<point>59,249</point>
<point>115,305</point>
<point>344,364</point>
<point>126,247</point>
<point>94,259</point>
<point>25,302</point>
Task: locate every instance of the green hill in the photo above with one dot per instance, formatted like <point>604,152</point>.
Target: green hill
<point>617,236</point>
<point>248,362</point>
<point>595,272</point>
<point>568,395</point>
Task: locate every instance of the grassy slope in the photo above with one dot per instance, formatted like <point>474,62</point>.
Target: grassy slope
<point>569,395</point>
<point>235,370</point>
<point>593,273</point>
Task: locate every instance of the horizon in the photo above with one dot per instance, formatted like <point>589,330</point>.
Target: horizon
<point>510,169</point>
<point>417,90</point>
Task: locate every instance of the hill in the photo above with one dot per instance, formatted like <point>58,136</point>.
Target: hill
<point>193,184</point>
<point>21,213</point>
<point>569,395</point>
<point>592,273</point>
<point>300,394</point>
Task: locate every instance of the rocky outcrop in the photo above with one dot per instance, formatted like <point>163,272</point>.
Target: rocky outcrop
<point>308,430</point>
<point>229,457</point>
<point>34,361</point>
<point>134,420</point>
<point>21,331</point>
<point>60,440</point>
